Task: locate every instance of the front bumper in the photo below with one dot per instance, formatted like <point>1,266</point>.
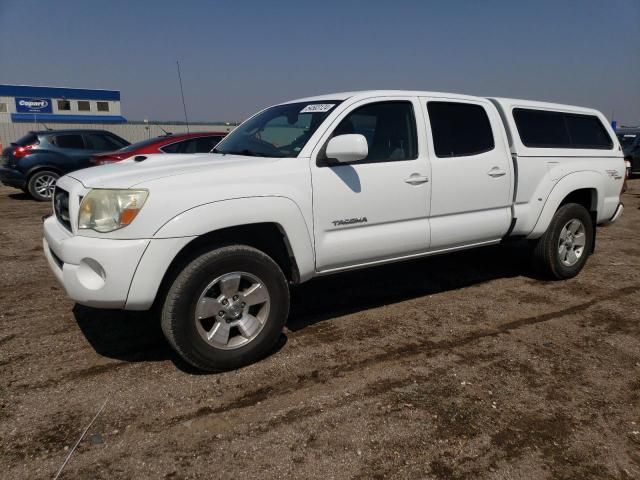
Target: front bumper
<point>95,272</point>
<point>108,273</point>
<point>12,178</point>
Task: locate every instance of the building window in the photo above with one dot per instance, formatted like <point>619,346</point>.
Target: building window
<point>3,108</point>
<point>64,105</point>
<point>103,106</point>
<point>84,106</point>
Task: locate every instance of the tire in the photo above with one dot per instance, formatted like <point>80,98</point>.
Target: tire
<point>553,261</point>
<point>191,316</point>
<point>41,185</point>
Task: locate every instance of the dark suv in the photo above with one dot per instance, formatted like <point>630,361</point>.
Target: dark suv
<point>35,162</point>
<point>630,141</point>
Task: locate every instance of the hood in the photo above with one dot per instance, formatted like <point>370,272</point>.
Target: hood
<point>129,173</point>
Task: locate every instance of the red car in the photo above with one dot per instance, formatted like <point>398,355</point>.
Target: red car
<point>200,142</point>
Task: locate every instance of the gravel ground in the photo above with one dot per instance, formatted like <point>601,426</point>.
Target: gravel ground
<point>462,366</point>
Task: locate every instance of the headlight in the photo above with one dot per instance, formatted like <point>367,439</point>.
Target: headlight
<point>106,210</point>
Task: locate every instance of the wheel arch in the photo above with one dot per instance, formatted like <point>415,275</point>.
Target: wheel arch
<point>39,168</point>
<point>273,225</point>
<point>268,237</point>
<point>584,188</point>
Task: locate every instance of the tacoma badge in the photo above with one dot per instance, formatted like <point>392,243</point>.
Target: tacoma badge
<point>349,221</point>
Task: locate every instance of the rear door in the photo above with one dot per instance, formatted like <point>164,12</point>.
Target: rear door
<point>472,177</point>
<point>74,150</point>
<point>377,208</point>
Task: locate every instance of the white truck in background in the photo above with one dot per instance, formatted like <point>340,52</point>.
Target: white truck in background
<point>323,185</point>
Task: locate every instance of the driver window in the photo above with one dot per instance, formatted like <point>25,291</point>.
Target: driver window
<point>389,127</point>
<point>285,130</point>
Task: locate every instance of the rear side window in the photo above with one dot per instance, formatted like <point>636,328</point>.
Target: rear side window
<point>206,144</point>
<point>587,132</point>
<point>541,129</point>
<point>193,145</point>
<point>173,148</point>
<point>544,129</point>
<point>189,146</point>
<point>96,141</point>
<point>28,139</point>
<point>459,129</point>
<point>68,141</point>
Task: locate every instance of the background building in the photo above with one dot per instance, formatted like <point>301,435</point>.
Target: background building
<point>23,103</point>
<point>24,108</point>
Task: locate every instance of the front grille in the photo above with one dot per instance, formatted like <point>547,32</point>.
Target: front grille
<point>61,207</point>
<point>56,258</point>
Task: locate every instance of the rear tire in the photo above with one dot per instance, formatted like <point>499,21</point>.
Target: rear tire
<point>563,249</point>
<point>226,308</point>
<point>41,185</point>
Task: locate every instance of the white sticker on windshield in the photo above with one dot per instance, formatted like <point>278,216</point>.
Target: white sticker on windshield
<point>318,108</point>
<point>629,136</point>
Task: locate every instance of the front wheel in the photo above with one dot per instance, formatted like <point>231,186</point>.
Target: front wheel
<point>563,249</point>
<point>42,184</point>
<point>226,308</point>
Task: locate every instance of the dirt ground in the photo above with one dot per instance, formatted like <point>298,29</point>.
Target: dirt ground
<point>457,367</point>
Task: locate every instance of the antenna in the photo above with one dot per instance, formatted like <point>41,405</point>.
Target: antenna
<point>165,132</point>
<point>184,105</point>
<point>45,126</point>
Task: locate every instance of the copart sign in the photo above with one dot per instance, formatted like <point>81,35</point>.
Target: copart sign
<point>33,105</point>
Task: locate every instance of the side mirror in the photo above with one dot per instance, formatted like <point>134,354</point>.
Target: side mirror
<point>347,148</point>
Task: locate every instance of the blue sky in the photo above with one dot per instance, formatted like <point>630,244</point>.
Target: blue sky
<point>239,56</point>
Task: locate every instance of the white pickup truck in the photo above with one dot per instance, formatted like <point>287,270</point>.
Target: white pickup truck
<point>323,185</point>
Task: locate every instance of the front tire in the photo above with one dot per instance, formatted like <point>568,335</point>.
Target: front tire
<point>42,184</point>
<point>226,308</point>
<point>563,249</point>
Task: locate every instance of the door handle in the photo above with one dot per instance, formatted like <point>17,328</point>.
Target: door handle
<point>416,179</point>
<point>496,172</point>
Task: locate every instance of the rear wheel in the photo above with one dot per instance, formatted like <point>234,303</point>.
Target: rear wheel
<point>42,184</point>
<point>226,308</point>
<point>563,249</point>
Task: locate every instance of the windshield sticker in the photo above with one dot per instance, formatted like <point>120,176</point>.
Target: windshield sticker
<point>629,136</point>
<point>318,108</point>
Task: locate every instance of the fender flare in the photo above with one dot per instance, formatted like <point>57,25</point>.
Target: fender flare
<point>213,216</point>
<point>587,179</point>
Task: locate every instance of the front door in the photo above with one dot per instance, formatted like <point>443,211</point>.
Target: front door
<point>377,208</point>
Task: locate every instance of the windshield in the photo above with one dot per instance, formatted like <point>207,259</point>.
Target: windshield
<point>280,131</point>
<point>626,139</point>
